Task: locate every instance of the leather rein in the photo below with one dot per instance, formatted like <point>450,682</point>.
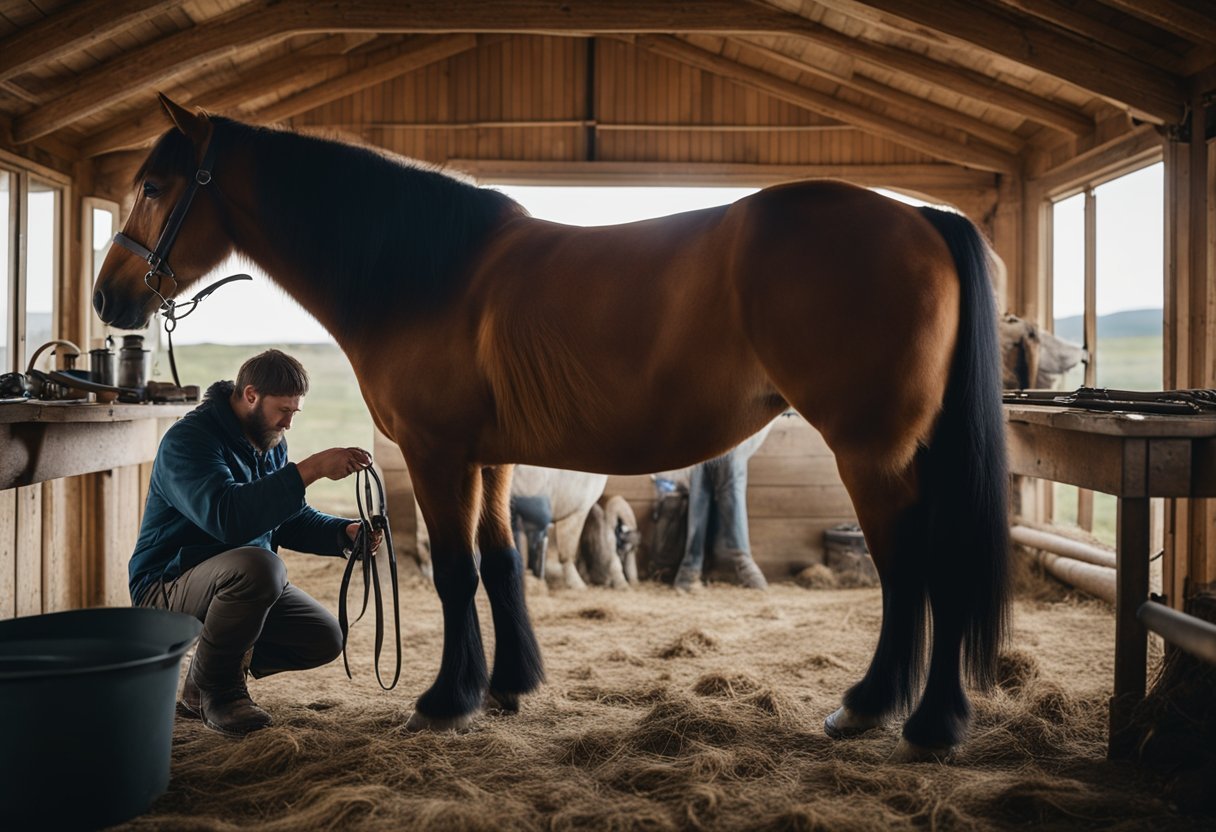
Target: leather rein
<point>157,258</point>
<point>363,552</point>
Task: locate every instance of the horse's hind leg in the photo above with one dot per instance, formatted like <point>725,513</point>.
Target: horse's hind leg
<point>449,496</point>
<point>517,662</point>
<point>885,504</point>
<point>940,720</point>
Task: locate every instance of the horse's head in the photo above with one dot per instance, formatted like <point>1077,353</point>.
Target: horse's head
<point>174,234</point>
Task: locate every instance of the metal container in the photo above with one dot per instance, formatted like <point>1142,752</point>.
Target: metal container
<point>86,713</point>
<point>134,362</point>
<point>103,363</point>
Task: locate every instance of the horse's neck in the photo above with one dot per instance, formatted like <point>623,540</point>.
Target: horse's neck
<point>341,297</point>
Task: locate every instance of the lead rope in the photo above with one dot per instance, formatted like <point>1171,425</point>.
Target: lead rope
<point>363,553</point>
<point>170,309</point>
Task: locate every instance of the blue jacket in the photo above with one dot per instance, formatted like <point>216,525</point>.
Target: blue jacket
<point>212,491</point>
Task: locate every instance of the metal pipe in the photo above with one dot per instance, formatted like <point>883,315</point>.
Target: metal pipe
<point>1060,545</point>
<point>1098,581</point>
<point>1186,632</point>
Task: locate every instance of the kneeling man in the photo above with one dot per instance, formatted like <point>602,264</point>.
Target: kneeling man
<point>222,499</point>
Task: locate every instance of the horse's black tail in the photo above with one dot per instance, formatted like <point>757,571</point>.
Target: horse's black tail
<point>965,470</point>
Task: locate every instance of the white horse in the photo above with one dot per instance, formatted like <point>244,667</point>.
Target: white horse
<point>572,496</point>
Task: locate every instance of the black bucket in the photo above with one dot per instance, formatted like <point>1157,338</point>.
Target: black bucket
<point>86,714</point>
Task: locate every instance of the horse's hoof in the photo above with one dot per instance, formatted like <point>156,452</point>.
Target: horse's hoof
<point>421,722</point>
<point>907,752</point>
<point>500,702</point>
<point>843,724</point>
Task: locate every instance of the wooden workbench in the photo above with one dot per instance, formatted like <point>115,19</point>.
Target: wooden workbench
<point>1135,457</point>
<point>44,441</point>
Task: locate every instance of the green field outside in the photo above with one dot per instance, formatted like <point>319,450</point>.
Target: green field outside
<point>332,414</point>
<point>1130,363</point>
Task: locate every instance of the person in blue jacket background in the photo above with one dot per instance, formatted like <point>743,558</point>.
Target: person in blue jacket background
<point>222,498</point>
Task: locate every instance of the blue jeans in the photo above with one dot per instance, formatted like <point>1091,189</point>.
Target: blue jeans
<point>720,482</point>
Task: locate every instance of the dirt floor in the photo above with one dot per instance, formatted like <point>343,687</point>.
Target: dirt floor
<point>664,711</point>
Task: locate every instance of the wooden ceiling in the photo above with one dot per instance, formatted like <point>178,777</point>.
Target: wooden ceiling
<point>976,83</point>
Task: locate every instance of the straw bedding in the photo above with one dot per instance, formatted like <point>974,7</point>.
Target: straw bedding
<point>664,712</point>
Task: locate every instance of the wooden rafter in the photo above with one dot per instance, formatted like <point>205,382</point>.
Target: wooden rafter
<point>1172,17</point>
<point>1053,11</point>
<point>408,58</point>
<point>310,65</point>
<point>76,27</point>
<point>932,144</point>
<point>991,134</point>
<point>268,20</point>
<point>957,79</point>
<point>315,70</point>
<point>1150,92</point>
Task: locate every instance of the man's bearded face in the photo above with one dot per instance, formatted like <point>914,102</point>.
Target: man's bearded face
<point>268,420</point>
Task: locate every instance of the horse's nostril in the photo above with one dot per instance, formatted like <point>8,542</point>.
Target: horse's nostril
<point>99,301</point>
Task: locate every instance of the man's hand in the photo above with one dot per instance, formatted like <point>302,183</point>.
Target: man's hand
<point>334,464</point>
<point>352,531</point>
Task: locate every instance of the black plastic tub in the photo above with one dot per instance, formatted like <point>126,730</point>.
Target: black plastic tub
<point>86,714</point>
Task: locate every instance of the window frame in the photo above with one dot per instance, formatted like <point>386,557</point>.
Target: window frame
<point>23,170</point>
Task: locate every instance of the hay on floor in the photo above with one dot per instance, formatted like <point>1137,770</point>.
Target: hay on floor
<point>666,711</point>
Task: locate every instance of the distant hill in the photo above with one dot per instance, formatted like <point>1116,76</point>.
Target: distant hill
<point>1130,324</point>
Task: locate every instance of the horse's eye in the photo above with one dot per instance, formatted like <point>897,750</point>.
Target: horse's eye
<point>151,191</point>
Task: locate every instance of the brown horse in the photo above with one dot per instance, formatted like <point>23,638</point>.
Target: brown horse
<point>482,337</point>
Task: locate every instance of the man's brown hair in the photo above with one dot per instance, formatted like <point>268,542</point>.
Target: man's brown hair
<point>273,373</point>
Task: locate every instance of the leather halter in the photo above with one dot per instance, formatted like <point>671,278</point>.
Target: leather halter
<point>363,553</point>
<point>158,258</point>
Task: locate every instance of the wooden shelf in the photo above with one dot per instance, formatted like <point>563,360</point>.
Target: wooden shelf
<point>36,411</point>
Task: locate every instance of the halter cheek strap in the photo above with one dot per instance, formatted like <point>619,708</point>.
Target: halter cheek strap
<point>158,257</point>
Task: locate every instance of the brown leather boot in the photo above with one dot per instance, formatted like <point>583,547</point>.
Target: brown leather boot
<point>224,706</point>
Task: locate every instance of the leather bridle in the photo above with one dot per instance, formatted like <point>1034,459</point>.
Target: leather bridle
<point>158,258</point>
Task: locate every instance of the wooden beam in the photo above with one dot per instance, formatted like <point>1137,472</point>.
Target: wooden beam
<point>1098,31</point>
<point>408,58</point>
<point>269,20</point>
<point>1120,155</point>
<point>149,66</point>
<point>989,133</point>
<point>957,79</point>
<point>879,124</point>
<point>1173,17</point>
<point>311,65</point>
<point>930,178</point>
<point>76,27</point>
<point>605,126</point>
<point>1150,92</point>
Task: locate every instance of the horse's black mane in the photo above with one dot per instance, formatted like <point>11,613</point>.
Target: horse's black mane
<point>379,228</point>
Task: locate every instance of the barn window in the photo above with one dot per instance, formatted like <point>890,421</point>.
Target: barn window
<point>31,246</point>
<point>42,267</point>
<point>1107,278</point>
<point>8,282</point>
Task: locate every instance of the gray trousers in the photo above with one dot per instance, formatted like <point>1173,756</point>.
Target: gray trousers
<point>244,600</point>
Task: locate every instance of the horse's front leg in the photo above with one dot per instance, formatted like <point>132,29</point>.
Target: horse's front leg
<point>517,663</point>
<point>449,496</point>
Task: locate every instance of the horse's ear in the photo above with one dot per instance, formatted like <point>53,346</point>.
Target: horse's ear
<point>194,125</point>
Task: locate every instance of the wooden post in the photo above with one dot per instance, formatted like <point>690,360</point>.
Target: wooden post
<point>1190,343</point>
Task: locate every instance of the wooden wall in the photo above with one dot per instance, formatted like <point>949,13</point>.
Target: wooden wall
<point>794,494</point>
<point>527,98</point>
<point>65,543</point>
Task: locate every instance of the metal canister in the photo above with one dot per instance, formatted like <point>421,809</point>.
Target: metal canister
<point>103,363</point>
<point>134,362</point>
